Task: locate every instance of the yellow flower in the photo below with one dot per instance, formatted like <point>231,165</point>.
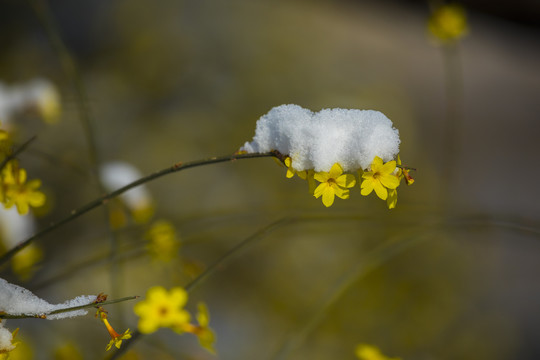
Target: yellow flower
<point>370,352</point>
<point>333,183</point>
<point>291,171</point>
<point>24,262</point>
<point>380,178</point>
<point>448,23</point>
<point>162,309</point>
<point>116,338</point>
<point>163,242</point>
<point>206,336</point>
<point>401,173</point>
<point>18,192</point>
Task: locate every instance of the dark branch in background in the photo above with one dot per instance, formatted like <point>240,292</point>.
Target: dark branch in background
<point>105,198</point>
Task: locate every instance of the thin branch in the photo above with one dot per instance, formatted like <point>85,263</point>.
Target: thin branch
<point>105,198</point>
<point>69,309</point>
<point>17,151</point>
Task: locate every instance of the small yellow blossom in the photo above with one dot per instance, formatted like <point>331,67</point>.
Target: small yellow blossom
<point>370,352</point>
<point>116,338</point>
<point>380,178</point>
<point>333,183</point>
<point>18,192</point>
<point>206,336</point>
<point>163,242</point>
<point>24,261</point>
<point>291,171</point>
<point>162,309</point>
<point>401,173</point>
<point>448,23</point>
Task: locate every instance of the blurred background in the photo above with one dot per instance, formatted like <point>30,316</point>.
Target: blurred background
<point>451,273</point>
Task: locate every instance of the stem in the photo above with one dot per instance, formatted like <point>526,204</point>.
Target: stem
<point>371,261</point>
<point>17,151</point>
<point>74,308</point>
<point>234,251</point>
<point>105,198</point>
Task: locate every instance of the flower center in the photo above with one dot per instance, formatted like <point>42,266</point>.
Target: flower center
<point>163,311</point>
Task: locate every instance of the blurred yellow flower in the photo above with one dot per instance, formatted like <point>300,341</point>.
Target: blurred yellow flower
<point>206,336</point>
<point>23,264</point>
<point>162,309</point>
<point>18,192</point>
<point>333,183</point>
<point>163,243</point>
<point>448,23</point>
<point>380,178</point>
<point>370,352</point>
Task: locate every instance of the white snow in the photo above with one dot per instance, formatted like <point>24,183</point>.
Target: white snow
<point>117,174</point>
<point>5,339</point>
<point>318,140</point>
<point>16,300</point>
<point>14,99</point>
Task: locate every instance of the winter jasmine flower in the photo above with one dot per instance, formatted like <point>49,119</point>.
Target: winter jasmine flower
<point>116,338</point>
<point>380,178</point>
<point>448,23</point>
<point>163,242</point>
<point>162,309</point>
<point>17,191</point>
<point>333,183</point>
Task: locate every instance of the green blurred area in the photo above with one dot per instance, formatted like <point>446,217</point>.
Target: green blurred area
<point>449,274</point>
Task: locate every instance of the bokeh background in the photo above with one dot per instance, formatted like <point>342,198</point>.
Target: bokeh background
<point>451,273</point>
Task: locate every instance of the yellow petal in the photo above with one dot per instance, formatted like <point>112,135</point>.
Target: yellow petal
<point>328,197</point>
<point>390,181</point>
<point>376,164</point>
<point>346,180</point>
<point>342,193</point>
<point>380,190</point>
<point>388,168</point>
<point>321,176</point>
<point>335,171</point>
<point>319,191</point>
<point>366,187</point>
<point>290,173</point>
<point>391,201</point>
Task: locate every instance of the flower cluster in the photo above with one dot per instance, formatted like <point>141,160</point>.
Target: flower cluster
<point>383,178</point>
<point>164,308</point>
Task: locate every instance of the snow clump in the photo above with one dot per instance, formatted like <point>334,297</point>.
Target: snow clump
<point>318,140</point>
